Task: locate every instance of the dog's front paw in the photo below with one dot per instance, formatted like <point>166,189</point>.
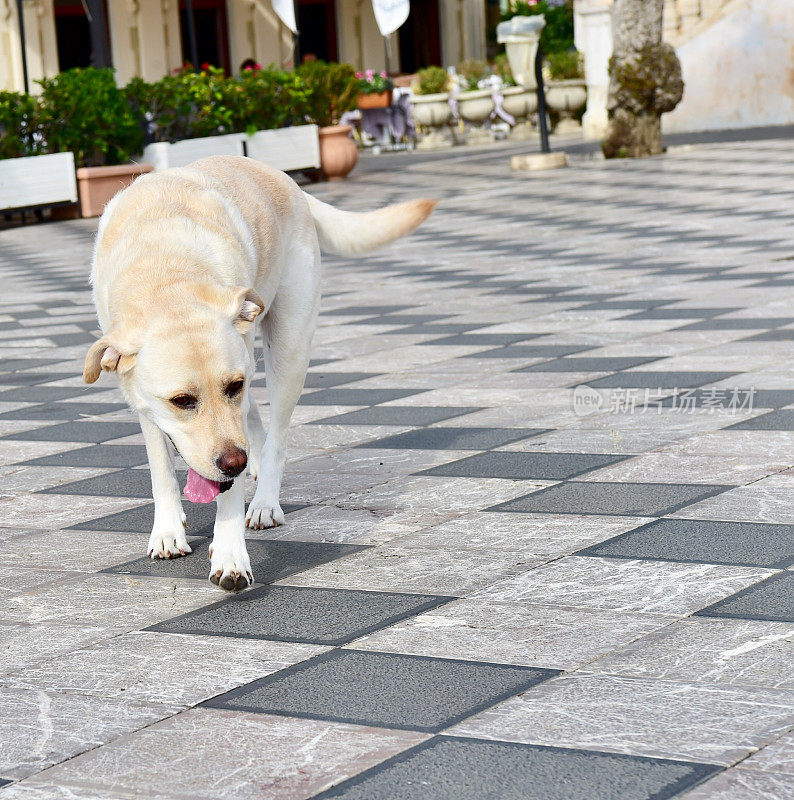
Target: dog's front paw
<point>168,540</point>
<point>264,516</point>
<point>230,567</point>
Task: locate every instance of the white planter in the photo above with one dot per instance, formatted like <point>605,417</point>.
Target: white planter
<point>475,107</point>
<point>286,149</point>
<point>566,98</point>
<point>163,155</point>
<point>37,181</point>
<point>520,103</point>
<point>432,111</point>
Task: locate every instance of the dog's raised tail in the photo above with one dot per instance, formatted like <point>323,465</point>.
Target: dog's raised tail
<point>350,234</point>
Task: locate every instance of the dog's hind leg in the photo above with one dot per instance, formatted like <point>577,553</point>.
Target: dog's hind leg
<point>288,327</point>
<point>230,567</point>
<point>254,429</point>
<point>168,532</point>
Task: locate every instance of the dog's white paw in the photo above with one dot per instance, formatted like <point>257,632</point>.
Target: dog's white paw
<point>260,516</point>
<point>230,567</point>
<point>168,540</point>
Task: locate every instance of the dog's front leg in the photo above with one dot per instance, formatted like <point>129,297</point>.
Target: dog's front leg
<point>168,538</point>
<point>229,564</point>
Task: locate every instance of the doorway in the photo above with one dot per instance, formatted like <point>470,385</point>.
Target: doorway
<point>212,33</point>
<point>420,37</point>
<point>317,29</point>
<point>73,34</point>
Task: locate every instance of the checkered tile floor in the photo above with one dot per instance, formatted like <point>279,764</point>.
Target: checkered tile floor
<point>539,536</point>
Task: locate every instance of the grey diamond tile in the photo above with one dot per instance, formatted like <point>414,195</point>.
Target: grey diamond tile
<point>734,324</point>
<point>383,689</point>
<point>397,415</point>
<point>780,420</point>
<point>292,614</point>
<point>707,541</point>
<point>593,364</point>
<point>529,351</point>
<point>271,560</point>
<point>454,438</point>
<point>45,394</point>
<point>781,335</point>
<point>362,311</point>
<point>117,455</point>
<point>658,380</point>
<point>354,397</point>
<point>325,380</point>
<point>451,768</point>
<point>95,432</point>
<point>732,398</point>
<point>621,499</point>
<point>465,339</point>
<point>524,466</point>
<point>53,411</point>
<point>772,599</point>
<point>679,313</point>
<point>124,483</point>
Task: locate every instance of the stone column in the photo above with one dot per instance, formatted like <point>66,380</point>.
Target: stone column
<point>593,30</point>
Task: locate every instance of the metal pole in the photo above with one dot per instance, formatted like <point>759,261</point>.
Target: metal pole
<point>296,42</point>
<point>544,129</point>
<point>20,15</point>
<point>100,52</point>
<point>191,31</point>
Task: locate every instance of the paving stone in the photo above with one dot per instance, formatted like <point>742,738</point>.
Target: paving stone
<point>454,438</point>
<point>525,350</point>
<point>396,415</point>
<point>288,614</point>
<point>780,420</point>
<point>96,432</point>
<point>707,541</point>
<point>772,599</point>
<point>678,313</point>
<point>54,411</point>
<point>485,339</point>
<point>523,466</point>
<point>745,399</point>
<point>448,768</point>
<point>658,380</point>
<point>270,560</point>
<point>45,394</point>
<point>124,483</point>
<point>354,397</point>
<point>591,364</point>
<point>117,455</point>
<point>632,499</point>
<point>383,689</point>
<point>741,783</point>
<point>738,323</point>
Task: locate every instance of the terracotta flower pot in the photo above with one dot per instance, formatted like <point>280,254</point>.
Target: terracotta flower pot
<point>338,152</point>
<point>375,100</point>
<point>97,185</point>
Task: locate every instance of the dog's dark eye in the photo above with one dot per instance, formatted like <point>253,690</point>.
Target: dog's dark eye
<point>184,401</point>
<point>234,388</point>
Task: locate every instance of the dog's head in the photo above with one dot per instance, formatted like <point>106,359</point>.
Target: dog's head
<point>183,362</point>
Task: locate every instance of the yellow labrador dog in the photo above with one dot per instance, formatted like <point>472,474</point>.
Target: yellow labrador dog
<point>186,261</point>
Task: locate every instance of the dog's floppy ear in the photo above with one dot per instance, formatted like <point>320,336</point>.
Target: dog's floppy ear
<point>247,305</point>
<point>105,355</point>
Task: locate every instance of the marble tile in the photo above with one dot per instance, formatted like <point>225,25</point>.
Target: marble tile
<point>751,503</point>
<point>244,755</point>
<point>742,784</point>
<point>664,719</point>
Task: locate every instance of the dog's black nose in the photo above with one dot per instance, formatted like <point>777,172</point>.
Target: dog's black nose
<point>232,462</point>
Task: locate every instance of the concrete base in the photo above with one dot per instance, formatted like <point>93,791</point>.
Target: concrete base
<point>539,161</point>
<point>434,140</point>
<point>522,131</point>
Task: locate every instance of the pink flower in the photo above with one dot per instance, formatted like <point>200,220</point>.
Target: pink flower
<point>370,74</point>
<point>383,74</point>
<point>257,66</point>
<point>359,75</point>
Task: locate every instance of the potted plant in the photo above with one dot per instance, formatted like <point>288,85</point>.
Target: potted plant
<point>516,100</point>
<point>83,111</point>
<point>431,107</point>
<point>474,104</point>
<point>567,92</point>
<point>28,178</point>
<point>334,90</point>
<point>375,89</point>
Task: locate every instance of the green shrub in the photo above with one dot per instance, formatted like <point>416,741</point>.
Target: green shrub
<point>83,110</point>
<point>557,36</point>
<point>565,65</point>
<point>432,80</point>
<point>472,72</point>
<point>19,125</point>
<point>267,98</point>
<point>333,90</point>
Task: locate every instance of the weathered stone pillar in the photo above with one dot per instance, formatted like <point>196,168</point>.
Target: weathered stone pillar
<point>593,35</point>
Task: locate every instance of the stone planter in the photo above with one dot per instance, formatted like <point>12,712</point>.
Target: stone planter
<point>163,155</point>
<point>432,112</point>
<point>98,185</point>
<point>475,107</point>
<point>374,100</point>
<point>37,181</point>
<point>297,147</point>
<point>520,103</point>
<point>338,152</point>
<point>566,98</point>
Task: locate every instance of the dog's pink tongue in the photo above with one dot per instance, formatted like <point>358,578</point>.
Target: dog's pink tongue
<point>199,489</point>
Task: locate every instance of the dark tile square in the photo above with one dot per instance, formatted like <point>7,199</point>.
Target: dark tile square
<point>396,415</point>
<point>450,768</point>
<point>271,560</point>
<point>781,335</point>
<point>95,432</point>
<point>45,394</point>
<point>115,455</point>
<point>615,499</point>
<point>53,411</point>
<point>619,305</point>
<point>449,330</point>
<point>524,466</point>
<point>31,378</point>
<point>753,544</point>
<point>124,483</point>
<point>731,399</point>
<point>679,313</point>
<point>298,614</point>
<point>484,339</point>
<point>363,311</point>
<point>401,319</point>
<point>771,600</point>
<point>658,380</point>
<point>454,438</point>
<point>594,364</point>
<point>728,324</point>
<point>325,380</point>
<point>200,519</point>
<point>530,351</point>
<point>13,364</point>
<point>383,689</point>
<point>355,397</point>
<point>780,420</point>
